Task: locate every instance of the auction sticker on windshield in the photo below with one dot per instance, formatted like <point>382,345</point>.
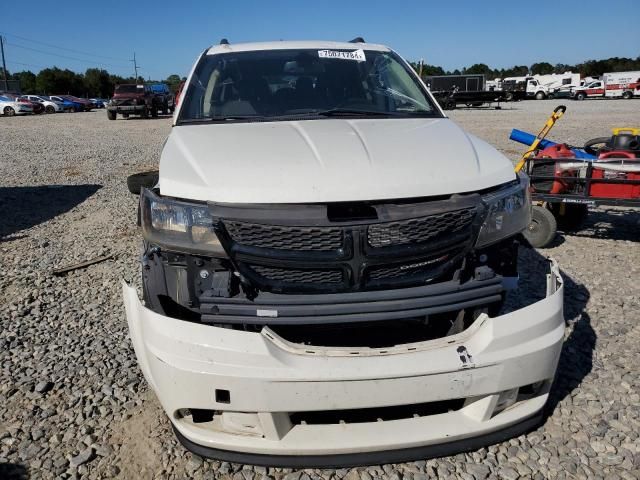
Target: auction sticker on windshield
<point>357,55</point>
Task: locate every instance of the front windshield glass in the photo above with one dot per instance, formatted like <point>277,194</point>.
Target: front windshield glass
<point>129,88</point>
<point>272,84</point>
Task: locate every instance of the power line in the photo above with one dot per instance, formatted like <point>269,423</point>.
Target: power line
<point>11,62</point>
<point>63,48</point>
<point>64,56</point>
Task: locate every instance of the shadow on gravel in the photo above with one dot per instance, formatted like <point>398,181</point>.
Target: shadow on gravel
<point>611,224</point>
<point>12,471</point>
<point>25,207</point>
<point>577,352</point>
<point>576,359</point>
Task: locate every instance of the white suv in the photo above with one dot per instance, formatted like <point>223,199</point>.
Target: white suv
<point>325,259</point>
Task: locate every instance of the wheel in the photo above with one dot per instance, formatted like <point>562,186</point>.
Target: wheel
<point>580,96</point>
<point>112,114</point>
<point>627,95</point>
<point>542,229</point>
<point>171,110</point>
<point>154,111</point>
<point>145,113</point>
<point>142,180</point>
<point>125,115</point>
<point>9,111</point>
<point>49,109</point>
<point>540,96</point>
<point>508,97</point>
<point>569,216</point>
<point>550,96</point>
<point>165,109</point>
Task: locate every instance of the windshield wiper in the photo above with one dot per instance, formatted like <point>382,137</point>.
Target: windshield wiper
<point>222,118</point>
<point>335,112</point>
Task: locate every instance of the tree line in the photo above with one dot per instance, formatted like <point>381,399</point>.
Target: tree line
<point>590,68</point>
<point>93,83</point>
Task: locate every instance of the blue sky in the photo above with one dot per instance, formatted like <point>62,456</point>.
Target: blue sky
<point>168,36</point>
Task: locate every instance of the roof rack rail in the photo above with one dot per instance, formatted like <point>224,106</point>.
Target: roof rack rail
<point>357,40</point>
<point>224,41</point>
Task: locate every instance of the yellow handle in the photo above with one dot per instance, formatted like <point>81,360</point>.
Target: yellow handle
<point>631,130</point>
<point>551,121</point>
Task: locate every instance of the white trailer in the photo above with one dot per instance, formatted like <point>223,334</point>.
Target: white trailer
<point>556,81</point>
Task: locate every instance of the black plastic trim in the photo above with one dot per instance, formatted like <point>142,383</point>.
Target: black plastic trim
<point>365,458</point>
<point>376,306</point>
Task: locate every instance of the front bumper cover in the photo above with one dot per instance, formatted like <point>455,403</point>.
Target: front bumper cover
<point>268,378</point>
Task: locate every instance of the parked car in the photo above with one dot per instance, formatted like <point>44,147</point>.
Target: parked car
<point>325,260</point>
<point>178,93</point>
<point>50,106</point>
<point>86,105</point>
<point>133,99</point>
<point>98,102</point>
<point>10,107</point>
<point>68,105</point>
<point>166,99</point>
<point>37,108</point>
<point>562,92</point>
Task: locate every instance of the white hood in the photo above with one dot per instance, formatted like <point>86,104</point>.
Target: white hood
<point>327,160</point>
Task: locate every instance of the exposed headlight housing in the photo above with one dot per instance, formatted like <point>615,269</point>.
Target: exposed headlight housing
<point>177,225</point>
<point>508,212</point>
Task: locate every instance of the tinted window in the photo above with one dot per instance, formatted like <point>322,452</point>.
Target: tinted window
<point>130,88</point>
<point>277,83</point>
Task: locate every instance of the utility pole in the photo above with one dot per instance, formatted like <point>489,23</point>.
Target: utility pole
<point>135,67</point>
<point>421,67</point>
<point>4,66</point>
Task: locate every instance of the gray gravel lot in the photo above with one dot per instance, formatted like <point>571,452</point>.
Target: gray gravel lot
<point>73,403</point>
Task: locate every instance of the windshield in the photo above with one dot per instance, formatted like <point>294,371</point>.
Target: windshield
<point>272,84</point>
<point>129,88</point>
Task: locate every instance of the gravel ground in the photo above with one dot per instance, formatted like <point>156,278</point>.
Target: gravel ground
<point>73,403</point>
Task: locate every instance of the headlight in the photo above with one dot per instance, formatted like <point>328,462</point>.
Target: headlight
<point>179,226</point>
<point>508,212</point>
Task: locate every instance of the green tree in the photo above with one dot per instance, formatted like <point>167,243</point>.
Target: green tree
<point>479,69</point>
<point>173,81</point>
<point>27,80</point>
<point>542,68</point>
<point>97,82</point>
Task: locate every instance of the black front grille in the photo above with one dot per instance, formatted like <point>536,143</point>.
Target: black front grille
<point>418,230</point>
<point>314,239</point>
<point>291,275</point>
<point>414,244</point>
<point>425,269</point>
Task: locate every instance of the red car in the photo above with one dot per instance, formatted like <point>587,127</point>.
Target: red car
<point>38,108</point>
<point>178,93</point>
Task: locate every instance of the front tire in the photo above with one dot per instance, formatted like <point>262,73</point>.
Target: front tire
<point>627,95</point>
<point>9,111</point>
<point>142,180</point>
<point>154,112</point>
<point>542,229</point>
<point>112,114</point>
<point>540,96</point>
<point>580,96</point>
<point>49,109</point>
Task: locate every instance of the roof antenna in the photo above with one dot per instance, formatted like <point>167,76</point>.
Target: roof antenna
<point>224,41</point>
<point>357,40</point>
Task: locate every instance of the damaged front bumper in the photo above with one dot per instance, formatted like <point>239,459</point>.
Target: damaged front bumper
<point>258,398</point>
